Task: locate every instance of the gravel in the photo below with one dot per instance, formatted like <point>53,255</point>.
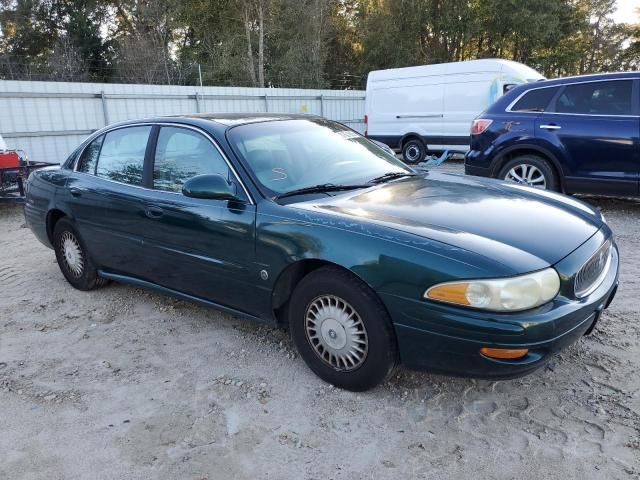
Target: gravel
<point>124,383</point>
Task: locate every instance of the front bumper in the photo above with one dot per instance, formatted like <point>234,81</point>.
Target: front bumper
<point>447,339</point>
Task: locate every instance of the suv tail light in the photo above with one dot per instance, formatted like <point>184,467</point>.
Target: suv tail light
<point>366,125</point>
<point>479,125</point>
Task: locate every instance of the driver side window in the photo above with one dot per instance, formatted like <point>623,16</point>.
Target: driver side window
<point>182,154</point>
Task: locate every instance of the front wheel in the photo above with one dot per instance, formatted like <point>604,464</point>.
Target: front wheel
<point>342,330</point>
<point>530,170</point>
<point>73,258</point>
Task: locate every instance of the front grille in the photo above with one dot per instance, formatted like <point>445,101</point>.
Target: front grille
<point>593,271</point>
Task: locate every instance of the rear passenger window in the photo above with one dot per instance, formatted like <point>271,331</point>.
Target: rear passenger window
<point>182,154</point>
<point>122,155</point>
<point>535,100</point>
<point>89,158</point>
<point>596,98</point>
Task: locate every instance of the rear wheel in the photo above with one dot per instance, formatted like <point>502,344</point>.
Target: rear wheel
<point>530,170</point>
<point>342,330</point>
<point>413,151</point>
<point>73,258</point>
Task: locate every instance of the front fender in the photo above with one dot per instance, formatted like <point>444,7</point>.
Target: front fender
<point>388,260</point>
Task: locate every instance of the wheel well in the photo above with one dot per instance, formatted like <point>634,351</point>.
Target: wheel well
<point>409,136</point>
<point>528,151</point>
<point>287,282</point>
<point>52,218</point>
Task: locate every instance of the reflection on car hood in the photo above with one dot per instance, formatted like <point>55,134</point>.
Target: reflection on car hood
<point>511,224</point>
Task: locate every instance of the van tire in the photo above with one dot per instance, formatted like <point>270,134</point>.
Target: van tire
<point>529,161</point>
<point>413,151</point>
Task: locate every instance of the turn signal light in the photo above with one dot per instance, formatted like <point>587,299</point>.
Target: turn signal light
<point>450,293</point>
<point>479,125</point>
<point>504,353</point>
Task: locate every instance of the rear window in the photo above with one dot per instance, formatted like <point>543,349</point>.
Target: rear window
<point>89,158</point>
<point>535,100</point>
<point>122,155</point>
<point>596,98</point>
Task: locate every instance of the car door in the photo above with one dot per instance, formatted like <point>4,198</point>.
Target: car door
<point>201,247</point>
<point>103,195</point>
<point>596,127</point>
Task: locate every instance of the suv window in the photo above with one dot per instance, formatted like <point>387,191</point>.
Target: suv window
<point>182,154</point>
<point>535,100</point>
<point>596,98</point>
<point>89,158</point>
<point>122,155</point>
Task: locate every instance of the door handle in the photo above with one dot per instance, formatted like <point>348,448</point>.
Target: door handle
<point>153,212</point>
<point>75,191</point>
<point>550,127</point>
<point>437,115</point>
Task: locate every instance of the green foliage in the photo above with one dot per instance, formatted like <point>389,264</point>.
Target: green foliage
<point>301,43</point>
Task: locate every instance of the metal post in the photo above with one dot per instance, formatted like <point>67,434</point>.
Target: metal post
<point>322,105</point>
<point>197,103</point>
<point>266,103</point>
<point>105,112</point>
<point>200,75</point>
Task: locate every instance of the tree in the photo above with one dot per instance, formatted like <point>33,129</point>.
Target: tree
<point>304,43</point>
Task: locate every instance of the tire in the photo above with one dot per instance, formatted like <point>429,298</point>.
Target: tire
<point>413,151</point>
<point>329,292</point>
<point>73,258</point>
<point>535,172</point>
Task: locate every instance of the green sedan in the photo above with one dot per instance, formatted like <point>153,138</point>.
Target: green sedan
<point>302,223</point>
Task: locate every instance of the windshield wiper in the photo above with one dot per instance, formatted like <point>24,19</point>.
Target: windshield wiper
<point>321,188</point>
<point>391,176</point>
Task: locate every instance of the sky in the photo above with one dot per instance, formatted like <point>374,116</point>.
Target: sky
<point>626,12</point>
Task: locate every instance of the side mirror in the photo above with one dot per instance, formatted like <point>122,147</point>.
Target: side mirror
<point>214,187</point>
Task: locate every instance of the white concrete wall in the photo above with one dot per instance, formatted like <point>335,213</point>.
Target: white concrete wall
<point>49,119</point>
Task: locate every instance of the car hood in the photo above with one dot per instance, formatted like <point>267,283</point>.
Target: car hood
<point>522,228</point>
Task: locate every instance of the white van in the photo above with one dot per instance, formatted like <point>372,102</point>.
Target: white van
<point>431,107</point>
<point>3,146</point>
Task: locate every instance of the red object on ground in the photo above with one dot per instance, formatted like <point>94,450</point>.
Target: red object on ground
<point>9,160</point>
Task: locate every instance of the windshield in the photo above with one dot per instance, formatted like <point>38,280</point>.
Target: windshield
<point>289,155</point>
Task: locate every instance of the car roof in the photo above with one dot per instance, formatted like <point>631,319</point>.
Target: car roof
<point>215,123</point>
<point>232,119</point>
<point>218,122</point>
<point>584,78</point>
<point>501,104</point>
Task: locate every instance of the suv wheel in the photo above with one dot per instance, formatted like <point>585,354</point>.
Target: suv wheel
<point>73,259</point>
<point>413,151</point>
<point>530,170</point>
<point>342,330</point>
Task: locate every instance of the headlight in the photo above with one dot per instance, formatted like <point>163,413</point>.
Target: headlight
<point>500,295</point>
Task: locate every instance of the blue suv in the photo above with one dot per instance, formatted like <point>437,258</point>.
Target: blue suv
<point>575,135</point>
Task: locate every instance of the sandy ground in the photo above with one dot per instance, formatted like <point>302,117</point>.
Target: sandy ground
<point>123,383</point>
